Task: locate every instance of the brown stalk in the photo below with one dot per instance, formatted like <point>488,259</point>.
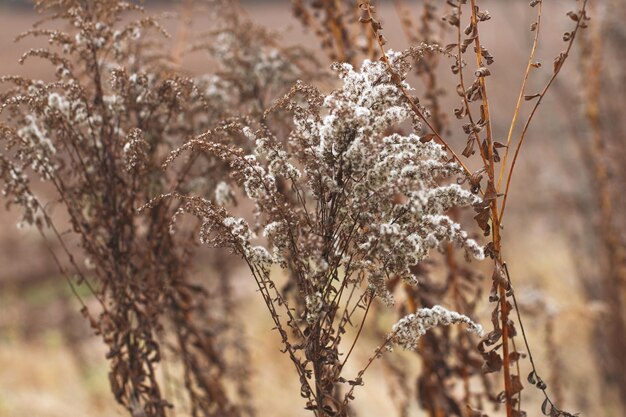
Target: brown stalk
<point>483,87</point>
<point>521,94</point>
<point>462,83</point>
<point>558,66</point>
<point>495,218</point>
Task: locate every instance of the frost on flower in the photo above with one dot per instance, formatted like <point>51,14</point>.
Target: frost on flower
<point>407,331</point>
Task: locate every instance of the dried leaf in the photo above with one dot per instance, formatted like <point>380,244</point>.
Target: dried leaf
<point>448,48</point>
<point>475,180</point>
<point>460,112</point>
<point>573,16</point>
<point>485,54</point>
<point>490,193</point>
<point>499,276</point>
<point>558,61</point>
<point>427,137</point>
<point>540,384</point>
<point>483,16</point>
<point>469,150</point>
<point>493,362</point>
<point>547,407</point>
<point>472,412</point>
<point>482,218</point>
<point>516,384</point>
<point>482,72</point>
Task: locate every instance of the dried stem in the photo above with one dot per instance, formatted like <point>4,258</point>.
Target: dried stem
<point>558,65</point>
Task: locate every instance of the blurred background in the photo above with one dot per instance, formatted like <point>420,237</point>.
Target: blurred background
<point>563,238</point>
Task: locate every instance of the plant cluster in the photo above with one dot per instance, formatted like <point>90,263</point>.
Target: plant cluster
<point>352,192</point>
<point>345,206</point>
<point>97,134</point>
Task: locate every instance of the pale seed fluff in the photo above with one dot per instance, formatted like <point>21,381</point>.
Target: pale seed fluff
<point>223,194</point>
<point>408,330</point>
<point>314,304</point>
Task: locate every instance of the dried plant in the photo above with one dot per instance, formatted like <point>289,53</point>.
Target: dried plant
<point>98,134</point>
<point>345,206</point>
<point>251,66</point>
<point>450,362</point>
<point>332,22</point>
<point>480,134</point>
<point>351,190</point>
